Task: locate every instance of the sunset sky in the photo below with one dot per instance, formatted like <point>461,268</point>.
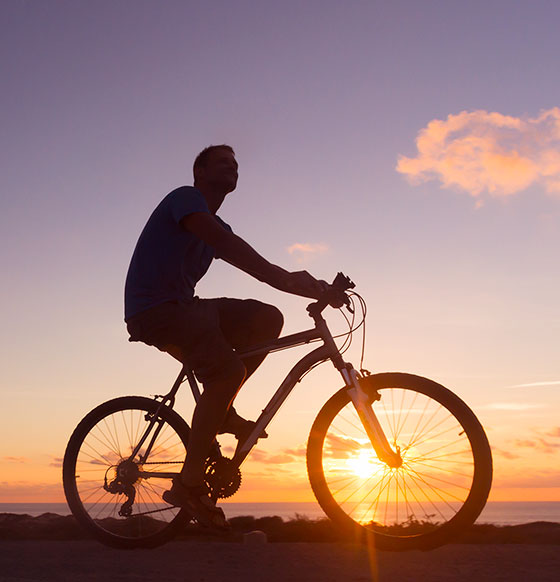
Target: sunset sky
<point>413,145</point>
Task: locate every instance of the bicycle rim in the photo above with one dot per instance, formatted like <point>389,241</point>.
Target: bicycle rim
<point>445,475</point>
<point>107,490</point>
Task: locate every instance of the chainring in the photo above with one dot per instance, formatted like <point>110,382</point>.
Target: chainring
<point>223,477</point>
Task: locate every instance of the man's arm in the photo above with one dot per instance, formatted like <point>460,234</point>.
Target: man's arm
<point>237,252</point>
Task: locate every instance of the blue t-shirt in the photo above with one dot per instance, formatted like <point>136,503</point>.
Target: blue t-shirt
<point>168,260</point>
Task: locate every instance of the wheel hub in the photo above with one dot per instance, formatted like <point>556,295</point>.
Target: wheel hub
<point>127,472</point>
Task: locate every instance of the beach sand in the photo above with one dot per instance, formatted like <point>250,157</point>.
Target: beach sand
<point>76,561</point>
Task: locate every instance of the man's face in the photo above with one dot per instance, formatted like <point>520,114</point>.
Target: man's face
<point>221,171</point>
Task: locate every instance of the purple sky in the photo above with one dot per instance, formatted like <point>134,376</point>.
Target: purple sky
<point>105,104</point>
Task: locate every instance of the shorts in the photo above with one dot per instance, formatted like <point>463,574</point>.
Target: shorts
<point>208,331</point>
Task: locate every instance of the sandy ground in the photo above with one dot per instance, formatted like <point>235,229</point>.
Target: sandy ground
<point>290,562</point>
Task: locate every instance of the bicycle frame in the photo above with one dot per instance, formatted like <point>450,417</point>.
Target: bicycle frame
<point>327,351</point>
<point>415,501</point>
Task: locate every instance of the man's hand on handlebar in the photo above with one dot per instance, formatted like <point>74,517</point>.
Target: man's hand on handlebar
<point>335,294</point>
<point>304,284</point>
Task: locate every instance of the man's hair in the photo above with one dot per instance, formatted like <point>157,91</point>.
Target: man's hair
<point>202,159</point>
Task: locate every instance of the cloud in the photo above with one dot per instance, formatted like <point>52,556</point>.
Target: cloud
<point>270,459</point>
<point>539,444</point>
<point>56,462</point>
<point>97,462</point>
<point>341,447</point>
<point>487,152</point>
<point>537,384</point>
<point>306,251</point>
<point>533,478</point>
<point>16,459</point>
<point>505,454</point>
<point>281,458</point>
<point>555,432</point>
<point>511,406</point>
<point>27,491</point>
<point>301,451</point>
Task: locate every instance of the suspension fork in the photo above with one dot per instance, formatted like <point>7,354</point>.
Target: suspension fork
<point>369,420</point>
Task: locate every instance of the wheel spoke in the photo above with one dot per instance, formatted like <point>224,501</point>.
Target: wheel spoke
<point>435,479</point>
<point>112,477</point>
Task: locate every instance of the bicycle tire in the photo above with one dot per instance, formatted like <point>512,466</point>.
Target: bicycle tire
<point>99,444</point>
<point>451,477</point>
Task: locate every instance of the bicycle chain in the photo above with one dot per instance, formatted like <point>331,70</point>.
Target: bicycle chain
<point>155,463</point>
<point>221,476</point>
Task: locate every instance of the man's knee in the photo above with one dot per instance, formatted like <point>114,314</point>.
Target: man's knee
<point>272,319</point>
<point>227,380</point>
<point>236,372</point>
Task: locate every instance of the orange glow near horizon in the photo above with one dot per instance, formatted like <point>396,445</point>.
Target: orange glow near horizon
<point>259,492</point>
<point>26,481</point>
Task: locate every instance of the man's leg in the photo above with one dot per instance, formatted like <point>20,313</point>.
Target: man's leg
<point>209,416</point>
<point>199,331</point>
<point>192,334</point>
<point>246,322</point>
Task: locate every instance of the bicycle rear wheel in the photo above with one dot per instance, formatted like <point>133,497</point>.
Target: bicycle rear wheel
<point>118,498</point>
<point>441,486</point>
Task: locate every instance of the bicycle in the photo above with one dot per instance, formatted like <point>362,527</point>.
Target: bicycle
<point>391,455</point>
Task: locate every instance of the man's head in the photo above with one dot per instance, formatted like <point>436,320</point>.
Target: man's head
<point>215,168</point>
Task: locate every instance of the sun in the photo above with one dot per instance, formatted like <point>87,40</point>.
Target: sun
<point>365,464</point>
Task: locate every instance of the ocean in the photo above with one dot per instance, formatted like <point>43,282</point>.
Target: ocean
<point>495,512</point>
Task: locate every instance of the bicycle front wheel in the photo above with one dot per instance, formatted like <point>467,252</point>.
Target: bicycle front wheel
<point>117,497</point>
<point>446,472</point>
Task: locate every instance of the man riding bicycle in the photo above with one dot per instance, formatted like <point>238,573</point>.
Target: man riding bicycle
<point>175,249</point>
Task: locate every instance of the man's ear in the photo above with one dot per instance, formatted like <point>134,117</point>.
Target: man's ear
<point>198,174</point>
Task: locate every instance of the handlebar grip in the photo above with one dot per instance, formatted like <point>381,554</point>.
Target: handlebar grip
<point>335,295</point>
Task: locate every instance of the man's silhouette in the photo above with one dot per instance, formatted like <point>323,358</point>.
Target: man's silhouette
<point>181,238</point>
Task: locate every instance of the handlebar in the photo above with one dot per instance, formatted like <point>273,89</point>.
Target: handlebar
<point>335,295</point>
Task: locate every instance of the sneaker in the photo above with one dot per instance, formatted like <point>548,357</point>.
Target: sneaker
<point>239,427</point>
<point>198,503</point>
